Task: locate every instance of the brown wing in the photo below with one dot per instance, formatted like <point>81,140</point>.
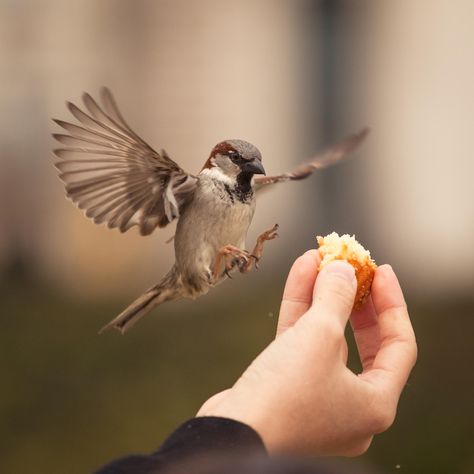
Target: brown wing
<point>327,158</point>
<point>115,176</point>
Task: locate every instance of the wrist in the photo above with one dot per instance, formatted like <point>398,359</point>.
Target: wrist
<point>251,411</point>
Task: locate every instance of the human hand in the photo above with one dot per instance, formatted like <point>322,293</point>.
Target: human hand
<point>298,394</point>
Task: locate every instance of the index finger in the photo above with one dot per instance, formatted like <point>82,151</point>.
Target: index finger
<point>397,354</point>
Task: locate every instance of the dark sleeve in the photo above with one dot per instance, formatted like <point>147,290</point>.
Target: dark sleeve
<point>203,436</point>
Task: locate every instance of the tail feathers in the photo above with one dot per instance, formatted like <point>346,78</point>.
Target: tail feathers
<point>166,290</point>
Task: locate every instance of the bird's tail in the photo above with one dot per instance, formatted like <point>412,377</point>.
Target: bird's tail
<point>168,289</point>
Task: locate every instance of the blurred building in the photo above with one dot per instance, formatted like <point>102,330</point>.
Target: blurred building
<point>289,76</point>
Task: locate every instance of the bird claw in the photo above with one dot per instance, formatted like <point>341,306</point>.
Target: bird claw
<point>256,260</point>
<point>272,233</point>
<point>256,255</point>
<point>233,257</point>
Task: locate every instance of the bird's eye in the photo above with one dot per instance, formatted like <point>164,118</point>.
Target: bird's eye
<point>234,156</point>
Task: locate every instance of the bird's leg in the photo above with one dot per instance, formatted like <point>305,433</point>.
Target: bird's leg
<point>257,252</point>
<point>222,263</point>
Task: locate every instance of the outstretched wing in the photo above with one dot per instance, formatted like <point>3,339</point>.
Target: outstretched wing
<point>115,176</point>
<point>328,157</point>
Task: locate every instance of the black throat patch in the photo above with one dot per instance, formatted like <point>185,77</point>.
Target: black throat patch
<point>243,189</point>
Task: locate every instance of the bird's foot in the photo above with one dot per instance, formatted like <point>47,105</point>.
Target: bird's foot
<point>227,259</point>
<point>268,235</point>
<point>257,252</point>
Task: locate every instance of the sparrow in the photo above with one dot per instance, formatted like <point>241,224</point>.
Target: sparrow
<point>117,178</point>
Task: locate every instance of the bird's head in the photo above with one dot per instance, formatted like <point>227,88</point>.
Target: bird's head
<point>234,160</point>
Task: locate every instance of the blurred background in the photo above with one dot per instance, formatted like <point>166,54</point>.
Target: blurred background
<point>291,77</point>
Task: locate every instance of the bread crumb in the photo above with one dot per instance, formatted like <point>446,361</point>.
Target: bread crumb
<point>345,247</point>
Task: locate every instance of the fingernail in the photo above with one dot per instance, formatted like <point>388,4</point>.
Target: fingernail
<point>341,269</point>
<point>389,267</point>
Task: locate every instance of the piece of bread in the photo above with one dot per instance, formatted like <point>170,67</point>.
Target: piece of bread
<point>332,247</point>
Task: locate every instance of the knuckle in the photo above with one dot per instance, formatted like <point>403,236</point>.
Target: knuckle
<point>331,328</point>
<point>382,417</point>
<point>337,288</point>
<point>298,265</point>
<point>414,351</point>
<point>325,326</point>
<point>368,360</point>
<point>380,411</point>
<point>360,448</point>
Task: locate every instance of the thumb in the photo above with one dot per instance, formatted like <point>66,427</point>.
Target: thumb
<point>334,293</point>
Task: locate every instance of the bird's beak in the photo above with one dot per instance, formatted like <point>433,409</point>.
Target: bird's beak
<point>255,167</point>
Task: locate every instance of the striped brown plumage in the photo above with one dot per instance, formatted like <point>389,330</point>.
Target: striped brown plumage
<point>114,175</point>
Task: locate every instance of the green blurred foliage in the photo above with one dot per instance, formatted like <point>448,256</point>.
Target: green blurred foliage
<point>72,400</point>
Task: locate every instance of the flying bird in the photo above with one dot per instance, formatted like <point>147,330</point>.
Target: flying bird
<point>118,179</point>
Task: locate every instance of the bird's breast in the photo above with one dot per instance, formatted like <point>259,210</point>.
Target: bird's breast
<point>211,221</point>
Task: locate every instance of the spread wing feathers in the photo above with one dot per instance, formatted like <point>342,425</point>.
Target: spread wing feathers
<point>328,157</point>
<point>115,176</point>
